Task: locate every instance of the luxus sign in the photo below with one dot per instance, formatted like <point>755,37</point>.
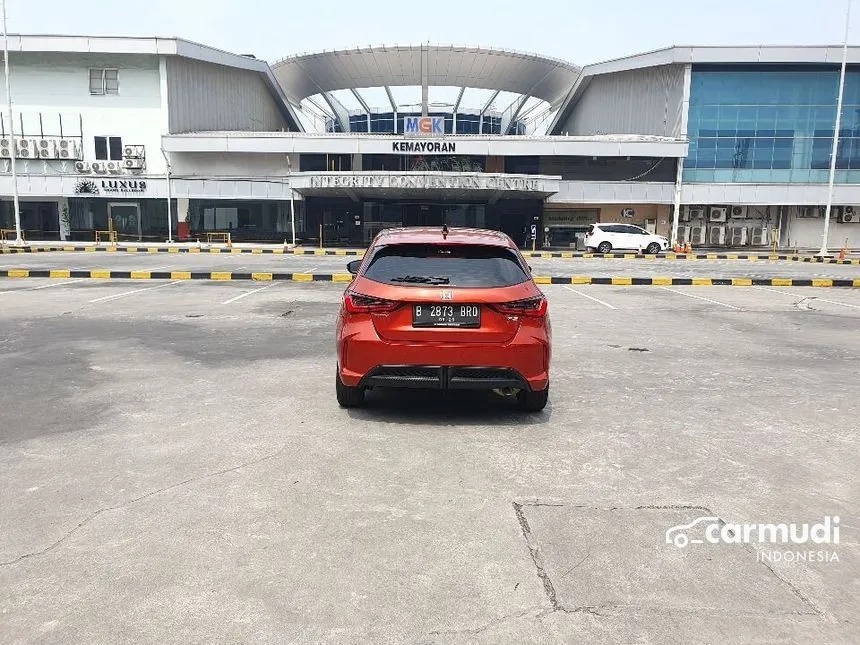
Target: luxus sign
<point>110,186</point>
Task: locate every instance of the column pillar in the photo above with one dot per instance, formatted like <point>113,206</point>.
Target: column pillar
<point>183,232</point>
<point>63,218</point>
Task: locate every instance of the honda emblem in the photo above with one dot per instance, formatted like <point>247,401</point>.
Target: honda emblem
<point>446,294</point>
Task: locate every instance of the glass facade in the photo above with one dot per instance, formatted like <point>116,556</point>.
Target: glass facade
<point>252,221</point>
<point>39,220</point>
<point>133,219</point>
<point>769,124</point>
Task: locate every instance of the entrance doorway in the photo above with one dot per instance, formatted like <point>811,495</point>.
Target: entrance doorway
<point>126,219</point>
<point>343,221</point>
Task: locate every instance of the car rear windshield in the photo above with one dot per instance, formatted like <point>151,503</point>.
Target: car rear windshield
<point>440,264</point>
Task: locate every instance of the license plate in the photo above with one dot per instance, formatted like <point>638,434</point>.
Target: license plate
<point>438,315</point>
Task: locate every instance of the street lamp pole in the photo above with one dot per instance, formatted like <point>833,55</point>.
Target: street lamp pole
<point>292,200</point>
<point>169,197</point>
<point>835,147</point>
<point>13,157</point>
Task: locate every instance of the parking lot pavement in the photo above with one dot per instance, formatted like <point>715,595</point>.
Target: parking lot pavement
<point>327,264</point>
<point>175,468</point>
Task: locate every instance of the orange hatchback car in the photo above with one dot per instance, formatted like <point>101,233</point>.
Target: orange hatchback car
<point>443,309</point>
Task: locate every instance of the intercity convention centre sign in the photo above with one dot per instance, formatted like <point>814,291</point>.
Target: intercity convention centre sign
<point>426,181</point>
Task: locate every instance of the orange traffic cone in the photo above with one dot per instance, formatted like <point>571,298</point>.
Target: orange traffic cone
<point>842,253</point>
<point>688,249</point>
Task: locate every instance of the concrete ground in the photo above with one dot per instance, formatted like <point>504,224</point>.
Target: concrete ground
<point>174,469</point>
<point>326,264</point>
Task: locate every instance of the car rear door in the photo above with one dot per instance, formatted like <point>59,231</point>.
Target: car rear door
<point>458,305</point>
<point>616,235</point>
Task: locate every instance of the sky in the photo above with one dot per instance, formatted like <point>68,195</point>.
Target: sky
<point>579,31</point>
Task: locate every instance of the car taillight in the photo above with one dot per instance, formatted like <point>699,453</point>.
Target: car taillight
<point>536,307</point>
<point>358,303</point>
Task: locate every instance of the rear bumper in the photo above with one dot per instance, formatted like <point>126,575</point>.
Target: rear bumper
<point>365,359</point>
<point>444,377</point>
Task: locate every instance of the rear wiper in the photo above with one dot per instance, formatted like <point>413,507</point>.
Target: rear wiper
<point>422,279</point>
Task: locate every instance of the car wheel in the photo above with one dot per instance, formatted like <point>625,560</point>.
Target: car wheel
<point>653,249</point>
<point>604,247</point>
<point>531,401</point>
<point>347,397</point>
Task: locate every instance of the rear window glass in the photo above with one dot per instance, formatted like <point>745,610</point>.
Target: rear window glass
<point>455,265</point>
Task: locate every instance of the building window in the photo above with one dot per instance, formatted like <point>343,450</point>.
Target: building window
<point>104,81</point>
<point>108,148</point>
<point>771,125</point>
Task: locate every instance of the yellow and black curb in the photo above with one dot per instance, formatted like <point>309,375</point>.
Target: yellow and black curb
<point>569,255</point>
<point>346,277</point>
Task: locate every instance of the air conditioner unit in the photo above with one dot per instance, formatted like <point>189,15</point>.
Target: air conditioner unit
<point>132,163</point>
<point>46,149</point>
<point>738,236</point>
<point>697,235</point>
<point>716,235</point>
<point>133,152</point>
<point>845,217</point>
<point>113,167</point>
<point>98,167</point>
<point>68,149</point>
<point>718,214</point>
<point>810,212</point>
<point>739,212</point>
<point>82,166</point>
<point>6,148</point>
<point>758,236</point>
<point>26,149</point>
<point>695,213</point>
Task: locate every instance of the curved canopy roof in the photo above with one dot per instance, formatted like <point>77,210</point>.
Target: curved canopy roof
<point>431,65</point>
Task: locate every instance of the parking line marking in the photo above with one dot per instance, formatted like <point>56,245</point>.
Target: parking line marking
<point>48,286</point>
<point>690,295</point>
<point>795,295</point>
<point>247,293</point>
<point>841,304</point>
<point>128,293</point>
<point>585,295</point>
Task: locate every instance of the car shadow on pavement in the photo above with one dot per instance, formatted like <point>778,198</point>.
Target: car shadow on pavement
<point>435,407</point>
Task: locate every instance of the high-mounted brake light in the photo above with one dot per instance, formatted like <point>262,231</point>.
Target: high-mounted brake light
<point>358,303</point>
<point>535,307</point>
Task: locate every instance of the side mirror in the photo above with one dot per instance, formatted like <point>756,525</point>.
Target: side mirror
<point>353,266</point>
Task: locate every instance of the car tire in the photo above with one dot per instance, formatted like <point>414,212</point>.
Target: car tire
<point>604,247</point>
<point>533,401</point>
<point>347,397</point>
<point>653,248</point>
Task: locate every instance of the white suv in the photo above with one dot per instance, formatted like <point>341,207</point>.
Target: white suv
<point>607,237</point>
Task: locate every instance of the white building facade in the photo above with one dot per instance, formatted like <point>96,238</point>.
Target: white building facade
<point>731,141</point>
